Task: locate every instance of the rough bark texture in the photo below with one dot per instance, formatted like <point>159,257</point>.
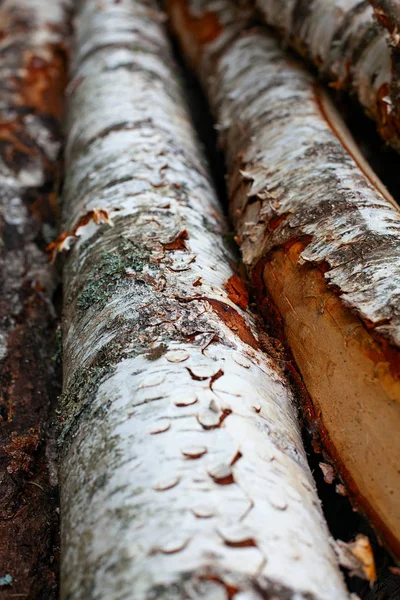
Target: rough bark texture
<point>182,470</point>
<point>349,48</point>
<point>387,13</point>
<point>32,76</point>
<point>320,236</point>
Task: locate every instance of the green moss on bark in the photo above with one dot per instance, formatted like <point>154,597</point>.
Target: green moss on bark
<point>109,272</point>
<point>157,352</point>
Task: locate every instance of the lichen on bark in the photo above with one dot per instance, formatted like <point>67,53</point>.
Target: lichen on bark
<point>108,272</point>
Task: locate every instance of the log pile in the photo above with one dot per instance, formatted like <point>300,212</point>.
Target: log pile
<point>188,373</point>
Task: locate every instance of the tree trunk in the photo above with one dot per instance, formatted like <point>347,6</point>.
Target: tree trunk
<point>182,468</point>
<point>349,48</point>
<point>320,236</point>
<point>32,75</point>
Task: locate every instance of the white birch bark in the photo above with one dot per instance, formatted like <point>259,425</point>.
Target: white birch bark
<point>349,48</point>
<point>320,232</point>
<point>182,470</point>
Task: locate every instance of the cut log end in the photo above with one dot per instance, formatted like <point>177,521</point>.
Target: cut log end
<point>354,390</point>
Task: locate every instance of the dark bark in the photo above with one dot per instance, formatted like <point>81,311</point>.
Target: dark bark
<point>387,13</point>
<point>33,59</point>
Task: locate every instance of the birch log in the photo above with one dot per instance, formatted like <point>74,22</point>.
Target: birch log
<point>182,470</point>
<point>349,48</point>
<point>320,236</point>
<point>33,37</point>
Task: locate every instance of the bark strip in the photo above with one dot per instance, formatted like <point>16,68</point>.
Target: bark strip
<point>182,471</point>
<point>348,46</point>
<point>33,36</point>
<point>321,239</point>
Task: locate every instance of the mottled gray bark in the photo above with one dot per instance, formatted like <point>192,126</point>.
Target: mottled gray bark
<point>320,236</point>
<point>182,468</point>
<point>33,37</point>
<point>387,13</point>
<point>349,48</point>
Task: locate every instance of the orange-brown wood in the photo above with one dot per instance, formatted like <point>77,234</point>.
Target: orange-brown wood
<point>354,388</point>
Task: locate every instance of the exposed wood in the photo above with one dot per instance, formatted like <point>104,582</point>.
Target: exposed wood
<point>182,468</point>
<point>349,48</point>
<point>321,239</point>
<point>33,36</point>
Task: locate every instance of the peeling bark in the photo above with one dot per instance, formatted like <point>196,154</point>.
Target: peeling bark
<point>387,12</point>
<point>320,236</point>
<point>349,48</point>
<point>32,75</point>
<point>182,472</point>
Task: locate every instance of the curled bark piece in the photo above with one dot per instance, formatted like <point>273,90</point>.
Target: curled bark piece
<point>141,518</point>
<point>320,236</point>
<point>349,48</point>
<point>357,556</point>
<point>33,36</point>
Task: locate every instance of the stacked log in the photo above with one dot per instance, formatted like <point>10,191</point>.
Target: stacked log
<point>320,237</point>
<point>182,468</point>
<point>349,48</point>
